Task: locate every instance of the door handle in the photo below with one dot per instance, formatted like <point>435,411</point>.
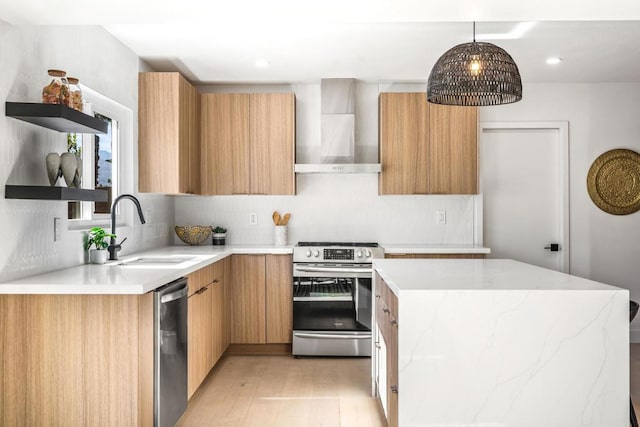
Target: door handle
<point>553,247</point>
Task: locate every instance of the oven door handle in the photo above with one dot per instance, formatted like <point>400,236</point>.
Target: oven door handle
<point>333,336</point>
<point>332,270</point>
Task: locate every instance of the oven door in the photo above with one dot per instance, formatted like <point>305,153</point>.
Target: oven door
<point>332,309</point>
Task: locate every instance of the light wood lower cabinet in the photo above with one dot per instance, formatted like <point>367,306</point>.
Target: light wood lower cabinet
<point>279,299</point>
<point>206,322</point>
<point>387,324</point>
<point>247,300</point>
<point>261,299</point>
<point>76,360</point>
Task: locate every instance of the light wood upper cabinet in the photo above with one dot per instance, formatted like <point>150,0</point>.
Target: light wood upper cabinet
<point>225,143</point>
<point>248,143</point>
<point>168,134</point>
<point>453,158</point>
<point>426,148</point>
<point>279,294</point>
<point>272,143</point>
<point>403,143</point>
<point>247,299</point>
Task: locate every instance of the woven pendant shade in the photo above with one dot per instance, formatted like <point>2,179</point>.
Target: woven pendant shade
<point>474,74</point>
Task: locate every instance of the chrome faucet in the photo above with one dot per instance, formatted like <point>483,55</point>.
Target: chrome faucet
<point>113,247</point>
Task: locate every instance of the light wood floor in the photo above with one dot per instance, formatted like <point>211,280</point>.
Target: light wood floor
<point>284,391</point>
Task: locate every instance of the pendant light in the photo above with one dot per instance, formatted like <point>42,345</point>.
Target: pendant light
<point>474,74</point>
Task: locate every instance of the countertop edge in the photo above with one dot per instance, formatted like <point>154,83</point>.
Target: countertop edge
<point>399,249</point>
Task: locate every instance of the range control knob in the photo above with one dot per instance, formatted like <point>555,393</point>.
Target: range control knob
<point>359,254</point>
<point>368,253</point>
<point>308,254</point>
<point>316,253</point>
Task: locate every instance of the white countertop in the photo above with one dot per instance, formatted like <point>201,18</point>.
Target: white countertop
<point>426,248</point>
<point>407,275</point>
<point>112,279</point>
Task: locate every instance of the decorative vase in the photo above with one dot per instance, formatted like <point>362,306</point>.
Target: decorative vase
<point>219,239</point>
<point>53,167</point>
<point>77,179</point>
<point>69,166</point>
<point>98,256</point>
<point>280,235</point>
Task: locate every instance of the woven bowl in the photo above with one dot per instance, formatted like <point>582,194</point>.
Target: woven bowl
<point>193,234</point>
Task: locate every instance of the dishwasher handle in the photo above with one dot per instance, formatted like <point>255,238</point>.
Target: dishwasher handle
<point>173,296</point>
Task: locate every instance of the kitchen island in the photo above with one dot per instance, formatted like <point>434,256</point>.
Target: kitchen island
<point>498,343</point>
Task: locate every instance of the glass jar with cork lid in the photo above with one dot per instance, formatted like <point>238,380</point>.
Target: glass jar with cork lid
<point>75,93</point>
<point>57,91</point>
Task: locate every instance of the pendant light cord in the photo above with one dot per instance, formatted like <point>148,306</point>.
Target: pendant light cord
<point>474,31</point>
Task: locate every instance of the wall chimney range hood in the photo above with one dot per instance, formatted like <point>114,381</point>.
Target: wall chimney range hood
<point>337,131</point>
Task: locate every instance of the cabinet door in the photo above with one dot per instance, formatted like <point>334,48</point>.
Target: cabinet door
<point>199,342</point>
<point>392,376</point>
<point>225,143</point>
<point>189,138</point>
<point>453,165</point>
<point>248,296</point>
<point>168,136</point>
<point>228,283</point>
<point>217,321</point>
<point>279,298</point>
<point>403,122</point>
<point>272,121</point>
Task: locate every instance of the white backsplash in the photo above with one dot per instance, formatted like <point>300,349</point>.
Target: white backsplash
<point>335,208</point>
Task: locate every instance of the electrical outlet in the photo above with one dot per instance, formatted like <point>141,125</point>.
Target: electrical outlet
<point>57,232</point>
<point>441,217</point>
<point>253,219</point>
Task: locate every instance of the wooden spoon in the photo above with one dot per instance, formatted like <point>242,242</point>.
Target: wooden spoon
<point>276,217</point>
<point>285,219</point>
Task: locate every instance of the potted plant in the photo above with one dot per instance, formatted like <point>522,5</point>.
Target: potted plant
<point>219,235</point>
<point>97,238</point>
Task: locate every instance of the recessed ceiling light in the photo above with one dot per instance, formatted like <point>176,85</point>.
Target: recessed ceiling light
<point>262,63</point>
<point>554,60</point>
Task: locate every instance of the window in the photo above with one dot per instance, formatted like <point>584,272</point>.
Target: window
<point>102,162</point>
<point>98,168</point>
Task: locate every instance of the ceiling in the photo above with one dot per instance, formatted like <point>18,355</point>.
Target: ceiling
<point>373,40</point>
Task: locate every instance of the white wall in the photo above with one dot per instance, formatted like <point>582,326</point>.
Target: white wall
<point>106,66</point>
<point>601,117</point>
<point>334,207</point>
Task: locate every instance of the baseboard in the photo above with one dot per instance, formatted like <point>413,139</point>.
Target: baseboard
<point>259,349</point>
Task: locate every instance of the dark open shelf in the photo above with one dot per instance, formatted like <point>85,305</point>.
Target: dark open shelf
<point>55,116</point>
<point>41,192</point>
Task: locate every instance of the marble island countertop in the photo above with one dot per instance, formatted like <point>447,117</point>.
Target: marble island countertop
<point>407,275</point>
<point>111,278</point>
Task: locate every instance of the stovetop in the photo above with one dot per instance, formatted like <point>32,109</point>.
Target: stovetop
<point>345,244</point>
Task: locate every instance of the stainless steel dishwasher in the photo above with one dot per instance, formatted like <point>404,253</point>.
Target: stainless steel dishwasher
<point>170,353</point>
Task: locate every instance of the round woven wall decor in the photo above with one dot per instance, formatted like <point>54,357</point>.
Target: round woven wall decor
<point>613,182</point>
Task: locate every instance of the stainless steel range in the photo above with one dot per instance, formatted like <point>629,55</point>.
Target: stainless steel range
<point>332,298</point>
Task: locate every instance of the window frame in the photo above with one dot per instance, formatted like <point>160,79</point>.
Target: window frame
<point>121,149</point>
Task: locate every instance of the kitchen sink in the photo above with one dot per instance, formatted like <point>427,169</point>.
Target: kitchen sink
<point>170,261</point>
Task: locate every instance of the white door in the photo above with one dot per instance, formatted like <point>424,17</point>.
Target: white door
<point>524,184</point>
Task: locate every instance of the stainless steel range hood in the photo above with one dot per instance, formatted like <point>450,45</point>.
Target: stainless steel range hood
<point>337,131</point>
